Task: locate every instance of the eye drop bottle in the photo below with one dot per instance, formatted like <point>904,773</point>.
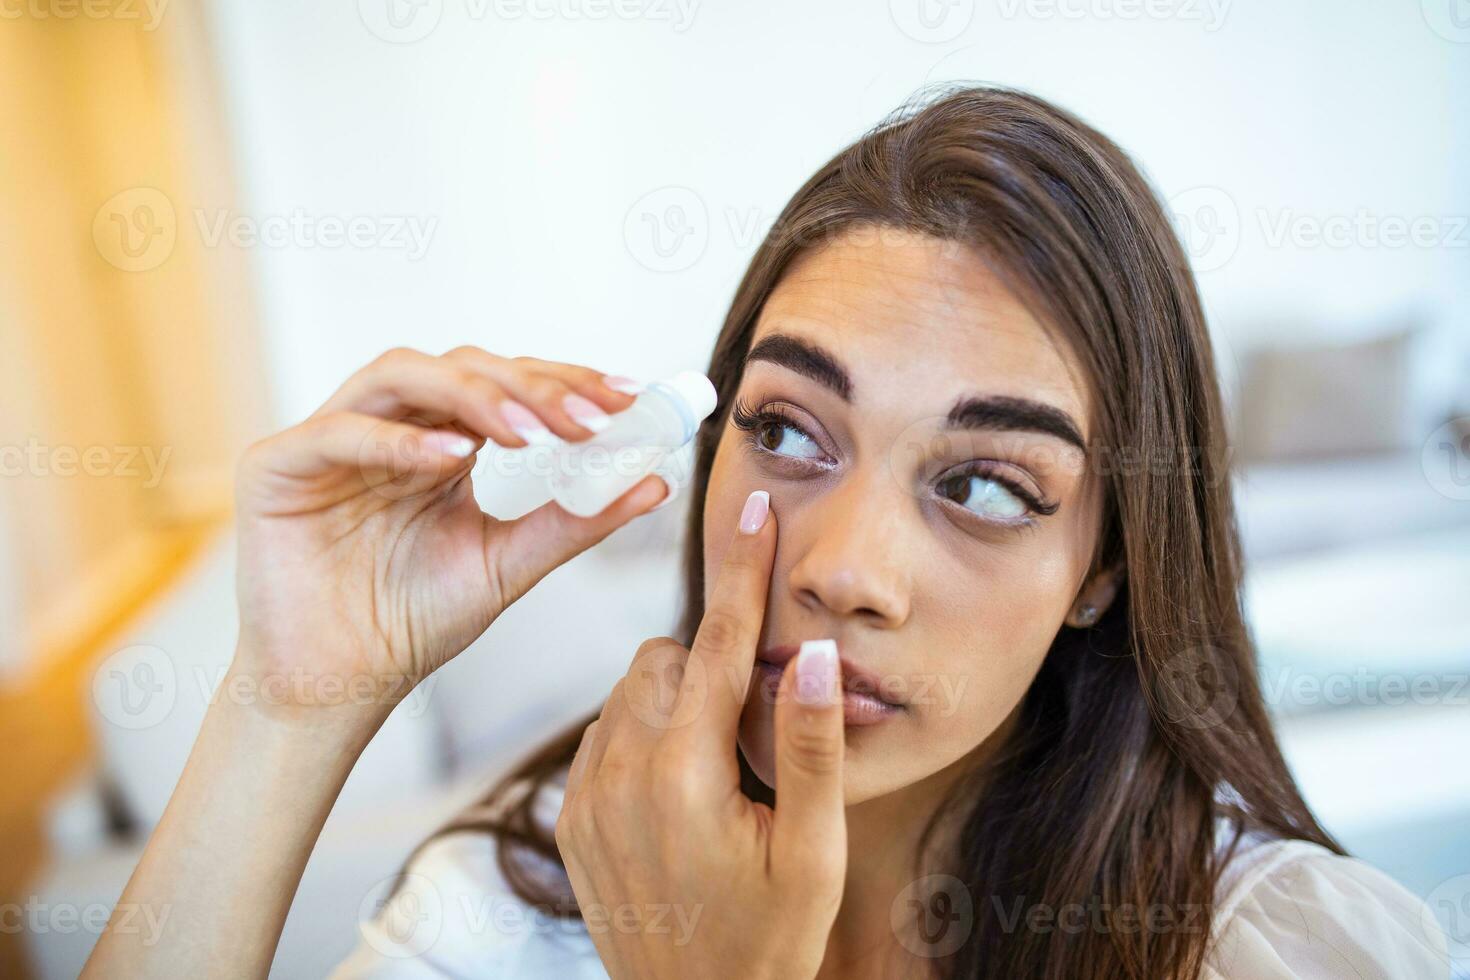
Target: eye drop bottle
<point>587,476</point>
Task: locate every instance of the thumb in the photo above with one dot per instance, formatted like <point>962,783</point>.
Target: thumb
<point>523,551</point>
<point>810,827</point>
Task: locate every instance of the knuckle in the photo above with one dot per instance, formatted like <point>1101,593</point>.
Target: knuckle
<point>466,352</point>
<point>395,357</point>
<point>812,751</point>
<point>721,630</point>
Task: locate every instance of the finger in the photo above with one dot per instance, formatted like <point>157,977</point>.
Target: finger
<point>548,536</point>
<point>724,646</point>
<point>381,453</point>
<point>434,390</point>
<point>610,392</point>
<point>553,393</point>
<point>577,774</point>
<point>809,834</point>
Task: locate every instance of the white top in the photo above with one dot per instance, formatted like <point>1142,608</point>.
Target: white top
<point>1284,909</point>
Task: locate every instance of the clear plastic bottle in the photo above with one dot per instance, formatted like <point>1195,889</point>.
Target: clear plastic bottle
<point>587,476</point>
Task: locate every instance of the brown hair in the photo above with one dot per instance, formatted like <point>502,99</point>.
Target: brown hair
<point>1141,732</point>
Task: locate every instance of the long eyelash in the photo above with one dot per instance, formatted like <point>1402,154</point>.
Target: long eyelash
<point>742,416</point>
<point>1046,508</point>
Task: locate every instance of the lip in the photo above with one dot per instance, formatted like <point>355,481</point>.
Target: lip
<point>862,704</point>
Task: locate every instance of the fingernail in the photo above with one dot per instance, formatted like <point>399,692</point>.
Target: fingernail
<point>452,443</point>
<point>627,386</point>
<point>673,491</point>
<point>753,517</point>
<point>816,673</point>
<point>524,423</point>
<point>585,413</point>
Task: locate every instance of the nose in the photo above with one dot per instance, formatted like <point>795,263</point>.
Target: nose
<point>853,558</point>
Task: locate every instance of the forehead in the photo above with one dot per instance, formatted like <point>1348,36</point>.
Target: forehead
<point>922,320</point>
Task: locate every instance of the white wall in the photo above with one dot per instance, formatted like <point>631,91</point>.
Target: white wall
<point>528,140</point>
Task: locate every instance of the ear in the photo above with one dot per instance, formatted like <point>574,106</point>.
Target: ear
<point>1095,597</point>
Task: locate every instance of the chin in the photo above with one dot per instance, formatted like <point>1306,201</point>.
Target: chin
<point>860,782</point>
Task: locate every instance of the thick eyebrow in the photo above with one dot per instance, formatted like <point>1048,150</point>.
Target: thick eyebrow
<point>992,412</point>
<point>805,358</point>
<point>1016,414</point>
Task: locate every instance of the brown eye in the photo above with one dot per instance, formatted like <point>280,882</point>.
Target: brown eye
<point>770,435</point>
<point>956,488</point>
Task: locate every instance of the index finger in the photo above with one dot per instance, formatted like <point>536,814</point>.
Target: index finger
<point>724,651</point>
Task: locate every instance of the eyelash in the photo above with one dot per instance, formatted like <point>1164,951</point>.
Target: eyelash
<point>749,420</point>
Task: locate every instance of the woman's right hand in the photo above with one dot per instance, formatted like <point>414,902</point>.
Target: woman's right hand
<point>365,562</point>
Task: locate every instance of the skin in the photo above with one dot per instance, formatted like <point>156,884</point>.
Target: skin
<point>348,576</point>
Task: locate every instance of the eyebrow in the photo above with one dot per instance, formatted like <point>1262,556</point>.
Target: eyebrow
<point>994,412</point>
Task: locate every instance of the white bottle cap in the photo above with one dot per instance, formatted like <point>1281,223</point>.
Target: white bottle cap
<point>696,391</point>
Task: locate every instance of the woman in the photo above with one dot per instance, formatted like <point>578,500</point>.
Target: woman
<point>968,429</point>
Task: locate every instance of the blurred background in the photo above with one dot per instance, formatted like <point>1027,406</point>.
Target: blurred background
<point>215,210</point>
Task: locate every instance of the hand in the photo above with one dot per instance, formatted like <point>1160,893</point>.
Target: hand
<point>654,829</point>
<point>364,558</point>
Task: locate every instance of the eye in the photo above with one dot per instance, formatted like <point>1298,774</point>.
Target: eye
<point>784,439</point>
<point>985,495</point>
<point>772,431</point>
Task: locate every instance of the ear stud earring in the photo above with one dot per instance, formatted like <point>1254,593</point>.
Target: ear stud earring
<point>1087,615</point>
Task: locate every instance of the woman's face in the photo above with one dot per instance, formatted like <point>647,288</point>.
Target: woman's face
<point>918,432</point>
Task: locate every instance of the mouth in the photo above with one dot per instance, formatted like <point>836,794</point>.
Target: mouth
<point>863,702</point>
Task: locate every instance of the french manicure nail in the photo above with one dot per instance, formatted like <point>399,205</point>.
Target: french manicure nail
<point>672,492</point>
<point>585,413</point>
<point>753,516</point>
<point>524,423</point>
<point>453,444</point>
<point>816,673</point>
<point>628,386</point>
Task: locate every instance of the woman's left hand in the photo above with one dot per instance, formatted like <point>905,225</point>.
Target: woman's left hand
<point>677,872</point>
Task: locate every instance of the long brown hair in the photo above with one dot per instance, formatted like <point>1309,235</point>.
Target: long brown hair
<point>1141,733</point>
